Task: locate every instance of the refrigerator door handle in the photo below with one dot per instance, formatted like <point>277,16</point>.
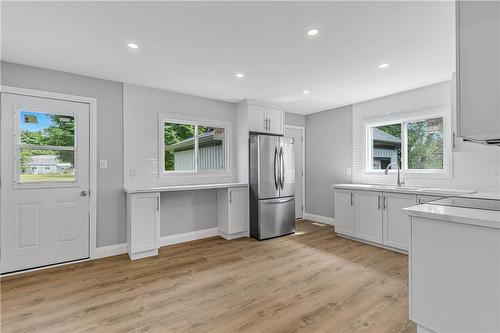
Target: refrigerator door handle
<point>282,168</point>
<point>277,201</point>
<point>276,181</point>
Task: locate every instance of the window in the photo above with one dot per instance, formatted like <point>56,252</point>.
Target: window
<point>416,145</point>
<point>45,147</point>
<point>193,147</point>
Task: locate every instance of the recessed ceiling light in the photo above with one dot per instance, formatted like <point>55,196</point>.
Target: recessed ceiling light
<point>240,75</point>
<point>382,66</point>
<point>306,92</point>
<point>133,45</point>
<point>312,32</point>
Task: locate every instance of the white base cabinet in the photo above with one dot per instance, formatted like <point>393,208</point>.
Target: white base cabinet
<point>454,276</point>
<point>232,212</point>
<point>344,212</point>
<point>368,216</point>
<point>143,224</point>
<point>396,225</point>
<point>374,217</point>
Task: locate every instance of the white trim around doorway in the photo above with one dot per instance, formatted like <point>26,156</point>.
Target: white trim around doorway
<point>92,102</point>
<point>303,130</point>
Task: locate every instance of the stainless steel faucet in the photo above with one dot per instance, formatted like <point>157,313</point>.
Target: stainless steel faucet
<point>399,178</point>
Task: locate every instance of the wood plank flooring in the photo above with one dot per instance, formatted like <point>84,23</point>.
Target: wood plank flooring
<point>312,281</point>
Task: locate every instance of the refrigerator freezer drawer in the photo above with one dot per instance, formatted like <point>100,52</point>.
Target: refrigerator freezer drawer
<point>276,217</point>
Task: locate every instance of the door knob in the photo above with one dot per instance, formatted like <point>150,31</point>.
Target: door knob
<point>83,193</point>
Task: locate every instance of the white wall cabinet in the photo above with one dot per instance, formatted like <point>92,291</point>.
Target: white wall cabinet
<point>263,119</point>
<point>232,212</point>
<point>396,225</point>
<point>143,224</point>
<point>478,70</point>
<point>344,212</point>
<point>368,216</point>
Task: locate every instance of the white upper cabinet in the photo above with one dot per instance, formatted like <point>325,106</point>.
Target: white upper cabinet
<point>263,119</point>
<point>478,70</point>
<point>257,119</point>
<point>275,121</point>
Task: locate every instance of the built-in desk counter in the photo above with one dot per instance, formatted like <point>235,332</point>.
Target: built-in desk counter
<point>143,214</point>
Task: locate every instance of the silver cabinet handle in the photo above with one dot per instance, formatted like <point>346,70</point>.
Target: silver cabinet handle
<point>385,203</point>
<point>157,203</point>
<point>352,195</point>
<point>230,196</point>
<point>83,193</point>
<point>378,202</point>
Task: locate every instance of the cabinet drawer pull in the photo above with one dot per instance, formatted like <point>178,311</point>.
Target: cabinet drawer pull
<point>378,202</point>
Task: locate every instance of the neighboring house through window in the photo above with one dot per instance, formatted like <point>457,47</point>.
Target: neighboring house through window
<point>417,145</point>
<point>194,147</point>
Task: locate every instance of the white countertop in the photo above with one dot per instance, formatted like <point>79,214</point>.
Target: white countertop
<point>479,217</point>
<point>405,189</point>
<point>172,188</point>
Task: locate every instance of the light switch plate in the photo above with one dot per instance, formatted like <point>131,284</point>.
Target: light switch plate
<point>348,171</point>
<point>103,164</point>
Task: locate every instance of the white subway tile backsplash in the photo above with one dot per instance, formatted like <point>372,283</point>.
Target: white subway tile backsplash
<point>475,166</point>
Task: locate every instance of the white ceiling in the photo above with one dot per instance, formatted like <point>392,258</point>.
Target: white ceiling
<point>197,48</point>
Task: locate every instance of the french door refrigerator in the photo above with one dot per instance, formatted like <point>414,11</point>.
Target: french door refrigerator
<point>272,186</point>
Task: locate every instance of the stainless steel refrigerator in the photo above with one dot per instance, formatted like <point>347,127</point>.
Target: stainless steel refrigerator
<point>272,186</point>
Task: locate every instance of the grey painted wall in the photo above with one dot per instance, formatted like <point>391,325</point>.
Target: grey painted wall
<point>328,155</point>
<point>111,221</point>
<point>181,211</point>
<point>187,211</point>
<point>295,119</point>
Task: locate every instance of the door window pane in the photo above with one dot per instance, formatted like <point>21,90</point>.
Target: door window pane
<point>46,147</point>
<point>46,129</point>
<point>40,165</point>
<point>179,147</point>
<point>425,144</point>
<point>211,148</point>
<point>386,145</point>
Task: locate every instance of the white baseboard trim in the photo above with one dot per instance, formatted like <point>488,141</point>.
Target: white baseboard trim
<point>111,250</point>
<point>188,236</point>
<point>319,218</point>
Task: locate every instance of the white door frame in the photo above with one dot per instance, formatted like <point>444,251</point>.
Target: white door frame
<point>303,130</point>
<point>92,102</point>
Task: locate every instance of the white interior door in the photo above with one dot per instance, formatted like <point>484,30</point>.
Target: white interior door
<point>297,135</point>
<point>45,181</point>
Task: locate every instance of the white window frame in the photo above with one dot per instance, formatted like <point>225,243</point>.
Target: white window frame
<point>446,172</point>
<point>18,184</point>
<point>195,121</point>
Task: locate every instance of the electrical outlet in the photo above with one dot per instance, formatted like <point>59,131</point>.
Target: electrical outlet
<point>103,164</point>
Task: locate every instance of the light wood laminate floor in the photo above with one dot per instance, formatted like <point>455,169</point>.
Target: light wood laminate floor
<point>312,281</point>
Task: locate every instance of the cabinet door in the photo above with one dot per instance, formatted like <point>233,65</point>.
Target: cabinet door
<point>368,216</point>
<point>275,121</point>
<point>238,210</point>
<point>397,225</point>
<point>344,212</point>
<point>144,222</point>
<point>479,68</point>
<point>257,118</point>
